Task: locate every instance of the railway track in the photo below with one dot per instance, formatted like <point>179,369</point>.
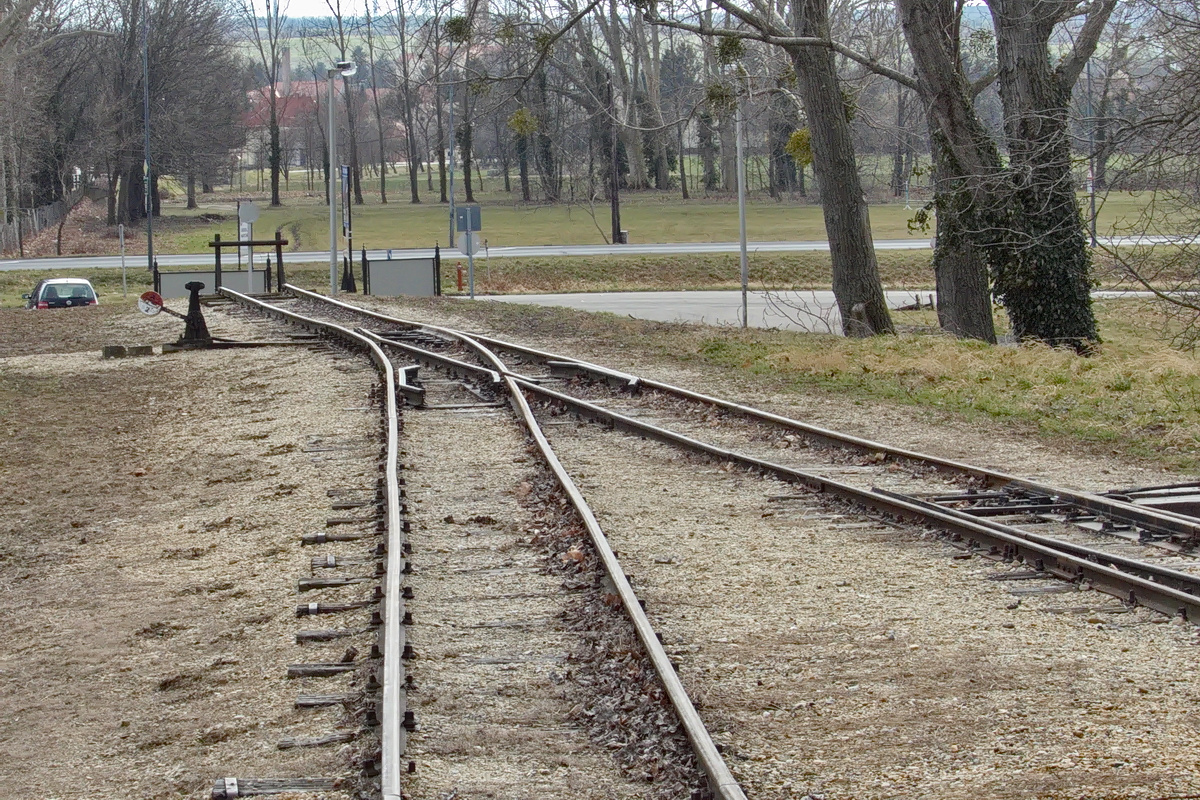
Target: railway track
<point>471,572</point>
<point>976,508</point>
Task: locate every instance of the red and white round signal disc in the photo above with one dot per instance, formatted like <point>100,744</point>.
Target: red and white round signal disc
<point>150,303</point>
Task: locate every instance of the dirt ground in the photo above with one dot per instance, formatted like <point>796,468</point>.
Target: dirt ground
<point>150,517</point>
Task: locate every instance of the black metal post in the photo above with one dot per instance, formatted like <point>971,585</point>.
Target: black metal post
<point>195,331</point>
<point>217,266</point>
<point>279,258</point>
<point>437,271</point>
<point>366,272</point>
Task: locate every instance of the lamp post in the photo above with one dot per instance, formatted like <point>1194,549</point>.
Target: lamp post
<point>741,190</point>
<point>340,69</point>
<point>147,179</point>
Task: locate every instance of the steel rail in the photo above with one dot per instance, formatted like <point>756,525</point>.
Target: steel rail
<point>721,781</point>
<point>470,340</point>
<point>1183,581</point>
<point>1163,522</point>
<point>394,701</point>
<point>1082,564</point>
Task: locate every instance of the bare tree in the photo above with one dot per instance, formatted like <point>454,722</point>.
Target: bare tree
<point>267,35</point>
<point>805,37</point>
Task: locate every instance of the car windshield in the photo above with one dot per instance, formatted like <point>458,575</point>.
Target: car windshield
<point>76,292</point>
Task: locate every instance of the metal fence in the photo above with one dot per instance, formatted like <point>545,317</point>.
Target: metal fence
<point>34,220</point>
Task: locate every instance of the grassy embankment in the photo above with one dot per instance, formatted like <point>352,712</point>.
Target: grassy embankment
<point>1136,396</point>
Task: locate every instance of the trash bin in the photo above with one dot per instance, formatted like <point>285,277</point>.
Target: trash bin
<point>624,237</point>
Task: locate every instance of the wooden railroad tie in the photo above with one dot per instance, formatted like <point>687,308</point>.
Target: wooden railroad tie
<point>319,670</point>
<point>337,737</point>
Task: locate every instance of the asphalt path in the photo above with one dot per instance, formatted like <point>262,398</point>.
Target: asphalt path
<point>522,251</point>
<point>811,311</point>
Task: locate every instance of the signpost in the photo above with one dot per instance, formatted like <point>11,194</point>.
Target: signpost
<point>247,216</point>
<point>468,220</point>
<point>121,236</point>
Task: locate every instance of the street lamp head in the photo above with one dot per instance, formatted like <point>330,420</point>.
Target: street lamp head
<point>344,68</point>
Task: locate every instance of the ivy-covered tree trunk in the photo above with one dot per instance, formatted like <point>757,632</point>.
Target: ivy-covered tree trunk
<point>856,284</point>
<point>1047,288</point>
<point>274,149</point>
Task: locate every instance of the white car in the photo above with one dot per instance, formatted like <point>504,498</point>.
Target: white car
<point>61,293</point>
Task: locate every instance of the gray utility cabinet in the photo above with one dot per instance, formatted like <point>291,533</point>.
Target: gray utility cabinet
<point>170,284</point>
<point>418,277</point>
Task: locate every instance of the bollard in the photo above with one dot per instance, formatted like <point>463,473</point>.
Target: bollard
<point>458,268</point>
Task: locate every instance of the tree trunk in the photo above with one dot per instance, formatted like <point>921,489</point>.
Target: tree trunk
<point>899,179</point>
<point>441,145</point>
<point>383,161</point>
<point>413,165</point>
<point>959,267</point>
<point>464,143</point>
<point>682,162</point>
<point>969,185</point>
<point>1047,293</point>
<point>114,179</point>
<point>725,129</point>
<point>352,134</point>
<point>856,283</point>
<point>523,165</point>
<point>708,151</point>
<point>275,150</point>
<point>191,190</point>
<point>548,166</point>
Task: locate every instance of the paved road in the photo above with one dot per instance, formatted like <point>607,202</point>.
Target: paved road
<point>531,251</point>
<point>812,311</point>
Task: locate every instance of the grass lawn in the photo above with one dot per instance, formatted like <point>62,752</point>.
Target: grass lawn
<point>649,218</point>
<point>305,223</point>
